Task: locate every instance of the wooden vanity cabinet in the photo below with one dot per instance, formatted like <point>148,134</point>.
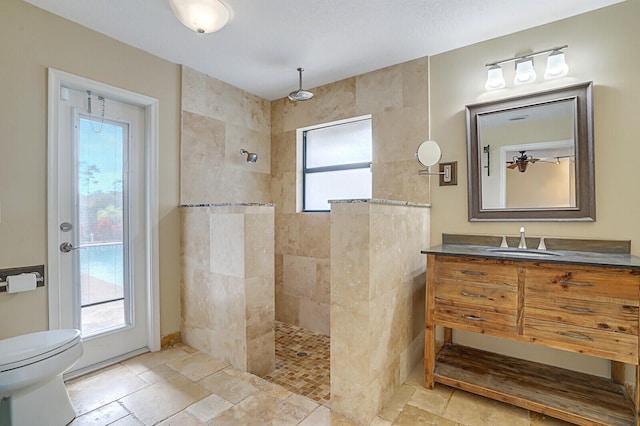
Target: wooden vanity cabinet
<point>585,309</point>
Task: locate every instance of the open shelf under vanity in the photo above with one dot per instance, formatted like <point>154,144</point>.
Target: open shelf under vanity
<point>568,395</point>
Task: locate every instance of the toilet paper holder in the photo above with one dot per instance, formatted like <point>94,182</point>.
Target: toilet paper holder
<point>38,270</point>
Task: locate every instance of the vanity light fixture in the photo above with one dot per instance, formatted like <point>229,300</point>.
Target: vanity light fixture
<point>202,16</point>
<point>525,72</point>
<point>495,79</point>
<point>556,65</point>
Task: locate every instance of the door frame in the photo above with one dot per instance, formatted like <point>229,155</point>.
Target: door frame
<point>56,80</point>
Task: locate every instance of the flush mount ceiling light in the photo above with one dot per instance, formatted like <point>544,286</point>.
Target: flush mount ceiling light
<point>525,71</point>
<point>202,16</point>
<point>300,94</point>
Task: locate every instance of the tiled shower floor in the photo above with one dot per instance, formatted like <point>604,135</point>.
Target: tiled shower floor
<point>302,362</point>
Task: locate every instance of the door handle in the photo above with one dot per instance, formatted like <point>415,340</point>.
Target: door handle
<point>67,247</point>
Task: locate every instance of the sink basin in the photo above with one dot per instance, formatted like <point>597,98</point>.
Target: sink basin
<point>523,252</point>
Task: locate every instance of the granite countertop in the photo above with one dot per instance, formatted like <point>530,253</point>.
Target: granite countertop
<point>380,201</point>
<point>615,260</point>
<point>227,205</point>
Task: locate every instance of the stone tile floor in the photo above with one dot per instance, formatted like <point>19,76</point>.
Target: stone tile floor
<point>183,387</point>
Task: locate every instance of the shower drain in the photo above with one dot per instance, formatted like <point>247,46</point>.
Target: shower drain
<point>301,354</point>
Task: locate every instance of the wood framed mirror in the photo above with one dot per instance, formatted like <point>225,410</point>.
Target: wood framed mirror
<point>531,157</point>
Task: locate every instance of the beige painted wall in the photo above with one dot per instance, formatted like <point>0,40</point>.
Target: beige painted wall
<point>603,49</point>
<point>32,40</point>
<point>397,99</point>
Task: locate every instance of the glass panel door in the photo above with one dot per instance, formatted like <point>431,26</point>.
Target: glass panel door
<point>101,263</point>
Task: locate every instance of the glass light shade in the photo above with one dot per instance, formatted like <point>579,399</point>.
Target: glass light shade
<point>556,65</point>
<point>202,16</point>
<point>524,72</point>
<point>495,79</point>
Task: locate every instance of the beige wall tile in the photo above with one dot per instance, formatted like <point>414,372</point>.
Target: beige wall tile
<point>349,253</point>
<point>219,120</point>
<point>346,395</point>
<point>203,141</point>
<point>332,102</point>
<point>259,245</point>
<point>227,244</point>
<point>314,235</point>
<point>257,113</point>
<point>277,116</point>
<point>283,157</point>
<point>287,308</point>
<point>415,83</point>
<point>261,354</point>
<point>323,281</point>
<point>239,137</point>
<point>380,90</point>
<point>299,276</point>
<point>194,243</point>
<point>350,325</point>
<point>314,316</point>
<point>397,134</point>
<point>400,181</point>
<point>196,299</point>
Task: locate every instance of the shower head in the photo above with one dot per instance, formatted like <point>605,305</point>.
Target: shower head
<point>300,94</point>
<point>252,157</point>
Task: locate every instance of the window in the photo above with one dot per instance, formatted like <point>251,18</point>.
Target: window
<point>336,163</point>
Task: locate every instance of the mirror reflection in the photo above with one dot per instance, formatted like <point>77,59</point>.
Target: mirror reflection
<point>533,153</point>
<point>531,157</point>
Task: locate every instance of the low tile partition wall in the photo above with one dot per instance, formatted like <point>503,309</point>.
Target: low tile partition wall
<point>227,292</point>
<point>377,301</point>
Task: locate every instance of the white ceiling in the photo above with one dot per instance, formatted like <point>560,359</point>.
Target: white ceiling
<point>265,41</point>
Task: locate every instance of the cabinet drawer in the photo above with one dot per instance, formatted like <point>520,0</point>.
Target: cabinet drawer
<point>606,344</point>
<point>476,270</point>
<point>474,319</point>
<point>614,315</point>
<point>499,299</point>
<point>583,282</point>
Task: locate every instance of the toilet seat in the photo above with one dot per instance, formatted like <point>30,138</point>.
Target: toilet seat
<point>16,352</point>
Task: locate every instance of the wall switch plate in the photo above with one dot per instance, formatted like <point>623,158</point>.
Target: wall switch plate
<point>449,174</point>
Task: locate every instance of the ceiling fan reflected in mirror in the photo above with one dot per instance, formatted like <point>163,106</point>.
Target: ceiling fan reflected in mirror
<point>522,161</point>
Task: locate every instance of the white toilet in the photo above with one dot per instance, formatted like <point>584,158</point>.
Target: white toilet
<point>31,388</point>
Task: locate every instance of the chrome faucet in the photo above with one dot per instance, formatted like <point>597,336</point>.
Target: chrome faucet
<point>523,241</point>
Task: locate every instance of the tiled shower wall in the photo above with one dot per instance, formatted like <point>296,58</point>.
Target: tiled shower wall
<point>397,99</point>
<point>227,284</point>
<point>217,121</point>
<point>227,250</point>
